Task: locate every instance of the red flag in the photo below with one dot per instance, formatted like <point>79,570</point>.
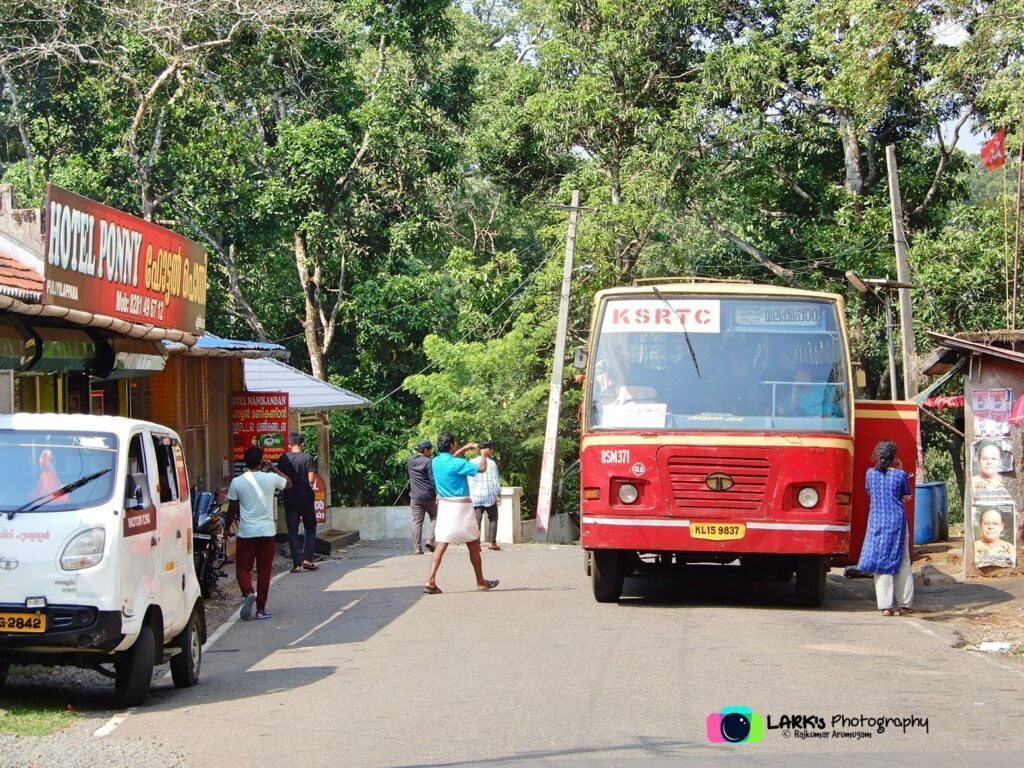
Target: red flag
<point>993,154</point>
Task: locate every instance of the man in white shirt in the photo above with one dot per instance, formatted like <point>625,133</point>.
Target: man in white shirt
<point>252,495</point>
<point>484,489</point>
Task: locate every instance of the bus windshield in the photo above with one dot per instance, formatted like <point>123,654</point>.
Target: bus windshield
<point>713,363</point>
<point>56,471</point>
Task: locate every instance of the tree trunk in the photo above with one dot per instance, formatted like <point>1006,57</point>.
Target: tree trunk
<point>851,153</point>
<point>310,325</point>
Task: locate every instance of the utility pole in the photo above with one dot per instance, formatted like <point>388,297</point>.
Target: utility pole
<point>902,276</point>
<point>547,466</point>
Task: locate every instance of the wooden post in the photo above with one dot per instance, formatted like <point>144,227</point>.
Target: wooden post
<point>903,276</point>
<point>1016,239</point>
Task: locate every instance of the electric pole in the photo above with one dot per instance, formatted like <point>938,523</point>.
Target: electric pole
<point>547,467</point>
<point>903,276</point>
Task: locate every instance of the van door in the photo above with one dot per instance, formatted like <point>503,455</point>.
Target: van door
<point>175,530</point>
<point>138,561</point>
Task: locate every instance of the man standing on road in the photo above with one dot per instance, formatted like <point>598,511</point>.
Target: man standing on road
<point>456,519</point>
<point>484,489</point>
<point>422,496</point>
<point>252,495</point>
<point>298,466</point>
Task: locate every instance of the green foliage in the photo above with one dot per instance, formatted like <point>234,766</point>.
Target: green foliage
<point>381,175</point>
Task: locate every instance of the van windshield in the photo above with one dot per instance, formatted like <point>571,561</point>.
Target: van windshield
<point>37,464</point>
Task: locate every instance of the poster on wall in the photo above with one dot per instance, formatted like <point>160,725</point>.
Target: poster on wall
<point>259,418</point>
<point>990,459</point>
<point>995,535</point>
<point>991,409</point>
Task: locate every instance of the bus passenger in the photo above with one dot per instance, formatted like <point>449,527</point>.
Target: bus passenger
<point>808,397</point>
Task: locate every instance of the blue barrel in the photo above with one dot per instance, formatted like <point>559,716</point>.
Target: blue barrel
<point>925,521</point>
<point>942,512</point>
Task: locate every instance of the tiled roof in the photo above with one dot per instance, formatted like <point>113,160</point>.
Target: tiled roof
<point>17,278</point>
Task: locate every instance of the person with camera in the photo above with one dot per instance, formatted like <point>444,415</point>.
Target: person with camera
<point>484,489</point>
<point>251,499</point>
<point>456,519</point>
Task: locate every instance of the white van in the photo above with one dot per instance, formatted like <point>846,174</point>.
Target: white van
<point>96,550</point>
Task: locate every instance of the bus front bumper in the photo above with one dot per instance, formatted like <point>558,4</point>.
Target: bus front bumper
<point>660,534</point>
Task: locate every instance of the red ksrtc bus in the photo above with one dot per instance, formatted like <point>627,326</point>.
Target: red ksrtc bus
<point>718,428</point>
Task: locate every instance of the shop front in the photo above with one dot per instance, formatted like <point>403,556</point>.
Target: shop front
<point>88,295</point>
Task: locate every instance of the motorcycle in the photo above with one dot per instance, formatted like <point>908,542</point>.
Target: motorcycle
<point>208,551</point>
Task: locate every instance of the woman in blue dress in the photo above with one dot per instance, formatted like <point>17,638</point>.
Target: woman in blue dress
<point>886,550</point>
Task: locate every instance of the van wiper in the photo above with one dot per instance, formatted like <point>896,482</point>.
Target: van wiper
<point>686,333</point>
<point>74,485</point>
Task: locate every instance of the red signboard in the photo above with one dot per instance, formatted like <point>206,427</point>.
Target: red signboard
<point>260,418</point>
<point>107,262</point>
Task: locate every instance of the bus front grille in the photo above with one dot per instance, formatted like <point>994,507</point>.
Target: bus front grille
<point>697,482</point>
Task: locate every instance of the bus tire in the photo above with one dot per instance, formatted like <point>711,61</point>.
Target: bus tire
<point>810,580</point>
<point>606,575</point>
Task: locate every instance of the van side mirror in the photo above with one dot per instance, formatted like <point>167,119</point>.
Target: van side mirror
<point>580,358</point>
<point>135,498</point>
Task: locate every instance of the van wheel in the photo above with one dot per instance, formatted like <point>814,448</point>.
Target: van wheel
<point>134,670</point>
<point>810,580</point>
<point>606,575</point>
<point>185,665</point>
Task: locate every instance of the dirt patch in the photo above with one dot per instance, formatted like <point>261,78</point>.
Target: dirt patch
<point>988,607</point>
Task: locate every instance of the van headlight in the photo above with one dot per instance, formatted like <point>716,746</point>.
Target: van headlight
<point>807,497</point>
<point>83,551</point>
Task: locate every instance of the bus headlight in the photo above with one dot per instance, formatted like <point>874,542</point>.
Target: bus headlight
<point>807,497</point>
<point>83,551</point>
<point>628,493</point>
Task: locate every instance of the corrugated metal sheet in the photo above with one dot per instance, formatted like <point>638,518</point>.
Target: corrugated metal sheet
<point>305,393</point>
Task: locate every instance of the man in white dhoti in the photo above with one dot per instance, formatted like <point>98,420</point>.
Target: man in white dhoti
<point>456,518</point>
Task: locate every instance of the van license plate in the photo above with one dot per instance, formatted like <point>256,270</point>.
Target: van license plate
<point>22,622</point>
<point>718,531</point>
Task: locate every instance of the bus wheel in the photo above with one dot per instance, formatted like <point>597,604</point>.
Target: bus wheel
<point>810,580</point>
<point>606,575</point>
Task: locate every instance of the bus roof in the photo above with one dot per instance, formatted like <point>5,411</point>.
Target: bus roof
<point>677,286</point>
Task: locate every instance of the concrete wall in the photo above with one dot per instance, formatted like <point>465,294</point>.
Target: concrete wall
<point>396,522</point>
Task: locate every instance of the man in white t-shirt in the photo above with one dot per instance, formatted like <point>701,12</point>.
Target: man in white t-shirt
<point>252,495</point>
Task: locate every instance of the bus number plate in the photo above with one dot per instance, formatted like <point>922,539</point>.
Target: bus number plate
<point>22,622</point>
<point>718,531</point>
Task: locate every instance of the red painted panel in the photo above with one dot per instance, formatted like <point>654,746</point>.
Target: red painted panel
<point>875,421</point>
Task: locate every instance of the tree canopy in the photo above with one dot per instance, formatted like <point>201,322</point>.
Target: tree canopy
<point>374,180</point>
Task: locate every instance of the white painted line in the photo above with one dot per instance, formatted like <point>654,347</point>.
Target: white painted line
<point>110,725</point>
<point>921,628</point>
<point>324,623</point>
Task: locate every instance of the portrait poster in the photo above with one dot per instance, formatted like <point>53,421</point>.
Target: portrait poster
<point>991,411</point>
<point>995,535</point>
<point>990,460</point>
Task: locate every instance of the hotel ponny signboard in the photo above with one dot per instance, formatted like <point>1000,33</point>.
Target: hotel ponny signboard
<point>107,262</point>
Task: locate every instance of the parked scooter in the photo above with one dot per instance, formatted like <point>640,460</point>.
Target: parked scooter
<point>208,550</point>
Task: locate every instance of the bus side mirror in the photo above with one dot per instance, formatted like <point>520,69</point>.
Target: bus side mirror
<point>580,358</point>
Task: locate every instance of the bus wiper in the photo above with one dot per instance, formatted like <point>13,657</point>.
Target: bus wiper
<point>686,333</point>
<point>74,485</point>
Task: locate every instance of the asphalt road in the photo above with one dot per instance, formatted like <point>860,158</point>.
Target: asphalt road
<point>359,668</point>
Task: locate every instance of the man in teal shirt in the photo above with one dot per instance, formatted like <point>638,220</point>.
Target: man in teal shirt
<point>456,518</point>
